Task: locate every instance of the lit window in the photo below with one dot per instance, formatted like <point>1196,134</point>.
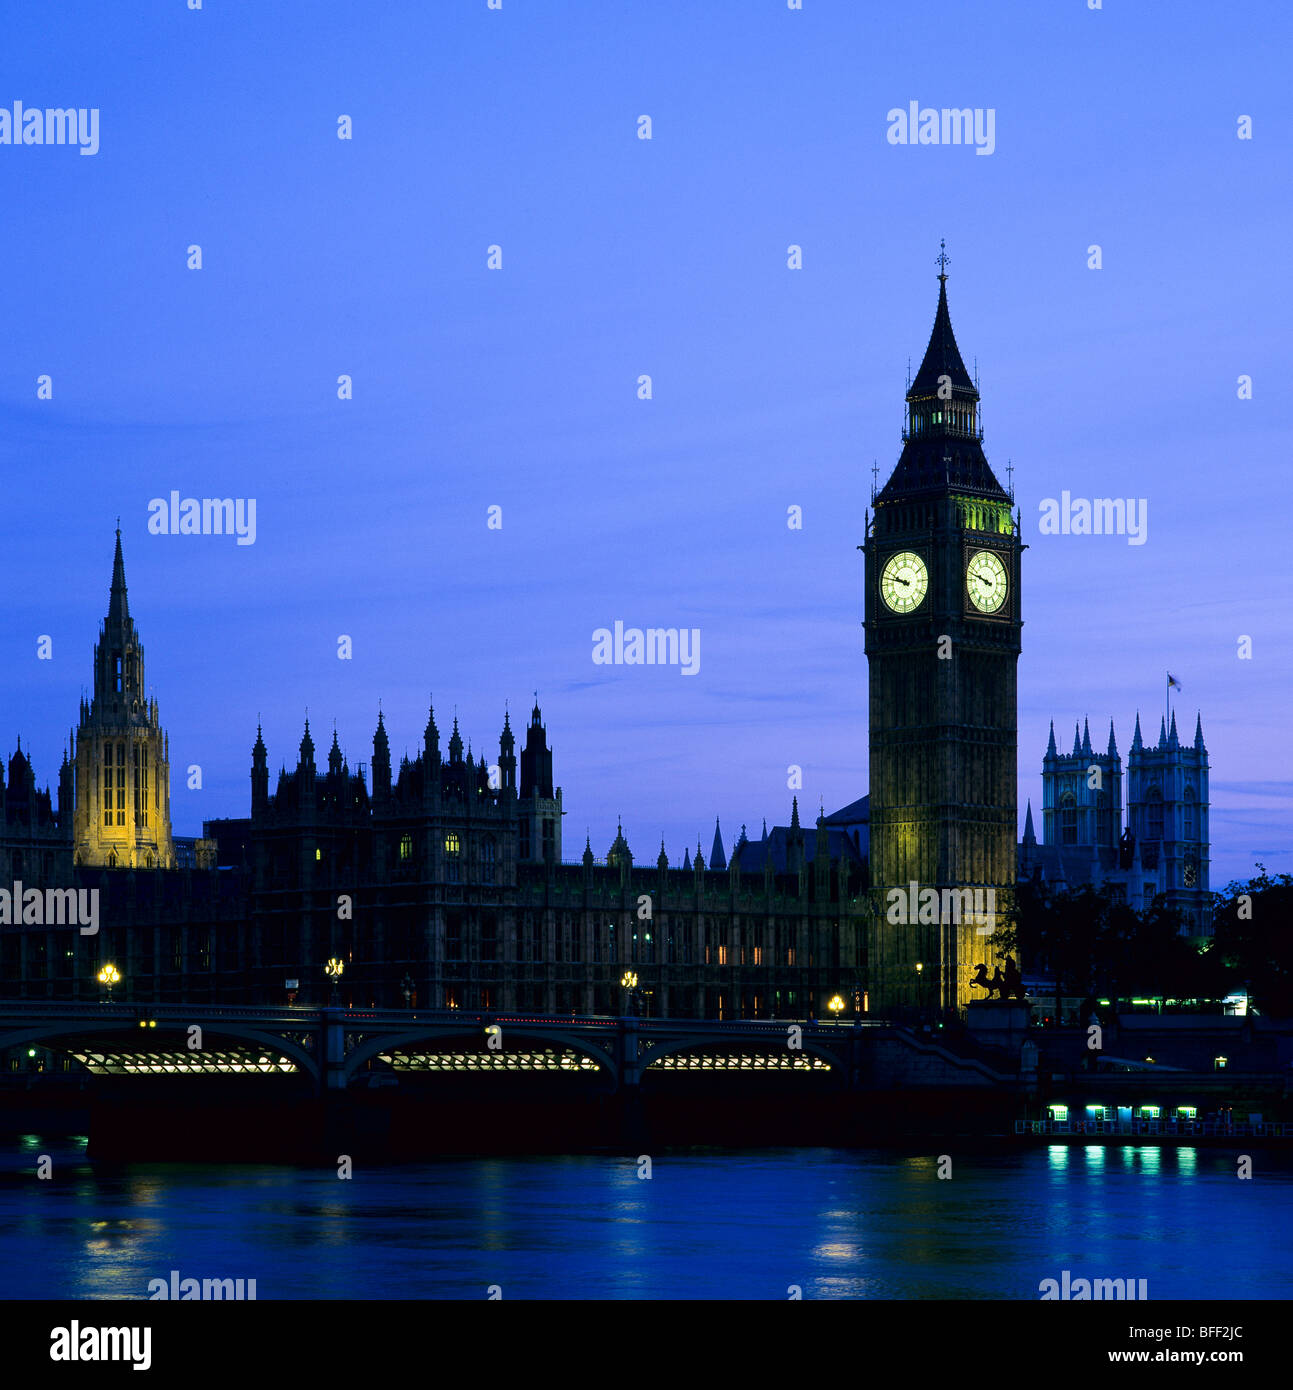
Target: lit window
<point>452,845</point>
<point>318,854</point>
<point>406,847</point>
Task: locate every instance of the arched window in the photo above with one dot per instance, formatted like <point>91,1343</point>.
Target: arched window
<point>406,847</point>
<point>453,853</point>
<point>1191,814</point>
<point>1154,820</point>
<point>487,861</point>
<point>1068,819</point>
<point>1103,819</point>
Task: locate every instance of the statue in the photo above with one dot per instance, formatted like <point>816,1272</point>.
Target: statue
<point>1009,985</point>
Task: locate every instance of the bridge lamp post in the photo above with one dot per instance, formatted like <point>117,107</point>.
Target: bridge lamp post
<point>406,989</point>
<point>630,983</point>
<point>108,977</point>
<point>835,1005</point>
<point>334,970</point>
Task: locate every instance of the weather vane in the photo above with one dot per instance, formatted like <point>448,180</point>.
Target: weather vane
<point>944,260</point>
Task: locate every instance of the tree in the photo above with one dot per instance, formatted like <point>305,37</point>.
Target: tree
<point>1253,939</point>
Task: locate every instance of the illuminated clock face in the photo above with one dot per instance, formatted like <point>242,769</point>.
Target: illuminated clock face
<point>1191,870</point>
<point>985,576</point>
<point>903,581</point>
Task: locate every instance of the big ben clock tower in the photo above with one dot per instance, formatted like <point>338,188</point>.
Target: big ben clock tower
<point>942,572</point>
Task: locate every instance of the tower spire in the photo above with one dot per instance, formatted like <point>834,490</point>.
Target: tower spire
<point>118,608</point>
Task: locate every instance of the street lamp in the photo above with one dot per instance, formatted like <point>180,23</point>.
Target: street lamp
<point>835,1005</point>
<point>334,970</point>
<point>406,989</point>
<point>630,983</point>
<point>108,977</point>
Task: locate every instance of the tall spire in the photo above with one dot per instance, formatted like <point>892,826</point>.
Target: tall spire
<point>717,856</point>
<point>1162,731</point>
<point>118,608</point>
<point>1086,737</point>
<point>1077,741</point>
<point>1198,733</point>
<point>942,356</point>
<point>1051,750</point>
<point>1172,740</point>
<point>1030,835</point>
<point>1136,742</point>
<point>942,446</point>
<point>1112,750</point>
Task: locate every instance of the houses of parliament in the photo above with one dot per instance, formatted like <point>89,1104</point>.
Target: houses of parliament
<point>441,883</point>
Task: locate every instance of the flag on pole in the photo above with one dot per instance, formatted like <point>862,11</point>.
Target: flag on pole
<point>1172,681</point>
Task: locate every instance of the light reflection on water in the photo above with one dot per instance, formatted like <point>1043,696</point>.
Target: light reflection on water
<point>837,1224</point>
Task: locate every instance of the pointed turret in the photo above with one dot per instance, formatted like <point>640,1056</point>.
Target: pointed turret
<point>335,760</point>
<point>794,813</point>
<point>1030,835</point>
<point>619,851</point>
<point>1162,732</point>
<point>118,607</point>
<point>507,757</point>
<point>699,862</point>
<point>455,743</point>
<point>1198,733</point>
<point>1112,750</point>
<point>1051,750</point>
<point>662,859</point>
<point>259,773</point>
<point>1086,738</point>
<point>717,858</point>
<point>431,739</point>
<point>686,859</point>
<point>942,446</point>
<point>381,760</point>
<point>942,356</point>
<point>588,851</point>
<point>765,828</point>
<point>1136,742</point>
<point>1077,741</point>
<point>1172,740</point>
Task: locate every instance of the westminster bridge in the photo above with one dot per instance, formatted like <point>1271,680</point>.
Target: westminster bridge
<point>332,1049</point>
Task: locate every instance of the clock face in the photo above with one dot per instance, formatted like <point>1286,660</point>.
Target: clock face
<point>985,577</point>
<point>1191,870</point>
<point>903,581</point>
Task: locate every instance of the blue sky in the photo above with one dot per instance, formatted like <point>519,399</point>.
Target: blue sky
<point>517,388</point>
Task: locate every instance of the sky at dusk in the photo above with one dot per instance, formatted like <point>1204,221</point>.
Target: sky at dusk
<point>517,388</point>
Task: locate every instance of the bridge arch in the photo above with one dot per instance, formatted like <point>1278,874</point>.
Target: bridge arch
<point>435,1037</point>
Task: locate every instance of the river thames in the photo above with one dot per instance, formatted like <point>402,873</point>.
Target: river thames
<point>828,1223</point>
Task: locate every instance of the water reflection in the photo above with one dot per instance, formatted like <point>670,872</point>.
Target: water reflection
<point>837,1224</point>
